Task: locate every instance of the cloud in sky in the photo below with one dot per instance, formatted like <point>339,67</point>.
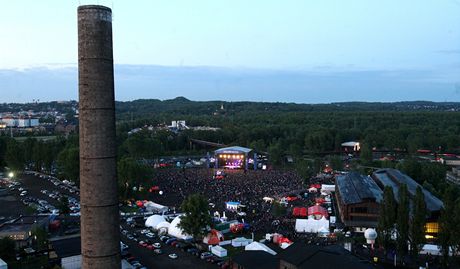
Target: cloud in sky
<point>237,84</point>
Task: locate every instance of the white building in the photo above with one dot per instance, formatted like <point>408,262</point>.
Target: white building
<point>10,121</point>
<point>22,122</point>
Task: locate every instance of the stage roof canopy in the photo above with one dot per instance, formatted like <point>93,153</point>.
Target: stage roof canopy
<point>233,150</point>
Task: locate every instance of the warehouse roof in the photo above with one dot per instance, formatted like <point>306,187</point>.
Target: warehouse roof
<point>355,188</point>
<point>394,178</point>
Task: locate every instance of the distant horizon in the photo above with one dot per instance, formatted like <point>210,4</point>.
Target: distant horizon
<point>320,85</point>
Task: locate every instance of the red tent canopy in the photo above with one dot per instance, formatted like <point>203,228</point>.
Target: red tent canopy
<point>303,212</point>
<point>296,211</point>
<point>213,238</point>
<point>317,210</point>
<point>320,200</point>
<point>154,188</point>
<point>316,186</point>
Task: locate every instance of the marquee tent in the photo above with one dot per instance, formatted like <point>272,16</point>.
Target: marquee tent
<point>154,220</point>
<point>311,225</point>
<point>259,246</point>
<point>175,231</point>
<point>317,211</point>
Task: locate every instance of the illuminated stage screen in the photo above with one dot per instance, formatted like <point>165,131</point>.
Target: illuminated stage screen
<point>231,161</point>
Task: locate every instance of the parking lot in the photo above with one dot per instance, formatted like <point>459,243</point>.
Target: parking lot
<point>32,193</point>
<point>148,258</point>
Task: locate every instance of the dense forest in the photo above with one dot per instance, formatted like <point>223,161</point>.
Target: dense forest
<point>280,129</point>
<point>292,128</point>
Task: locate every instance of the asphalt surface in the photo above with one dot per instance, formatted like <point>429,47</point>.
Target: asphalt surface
<point>151,260</point>
<point>11,205</point>
<point>34,184</point>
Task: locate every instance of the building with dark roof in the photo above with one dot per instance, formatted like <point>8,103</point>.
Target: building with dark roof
<point>254,259</point>
<point>358,198</point>
<point>66,252</point>
<point>21,229</point>
<point>302,256</point>
<point>395,178</point>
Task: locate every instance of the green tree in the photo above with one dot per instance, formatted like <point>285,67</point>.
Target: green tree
<point>387,217</point>
<point>29,145</point>
<point>197,218</point>
<point>40,238</point>
<point>49,156</point>
<point>3,145</point>
<point>447,224</point>
<point>38,155</point>
<point>7,249</point>
<point>68,163</point>
<point>63,205</point>
<point>305,169</point>
<point>417,229</point>
<point>130,174</point>
<point>402,220</point>
<point>318,165</point>
<point>336,163</point>
<point>278,209</point>
<point>365,154</point>
<point>14,155</point>
<point>275,152</point>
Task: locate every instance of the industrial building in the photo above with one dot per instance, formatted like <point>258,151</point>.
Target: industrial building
<point>21,229</point>
<point>395,178</point>
<point>358,198</point>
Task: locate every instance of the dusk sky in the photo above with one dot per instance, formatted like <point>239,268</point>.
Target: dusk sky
<point>288,51</point>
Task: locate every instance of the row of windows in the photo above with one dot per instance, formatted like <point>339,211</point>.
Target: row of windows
<point>432,228</point>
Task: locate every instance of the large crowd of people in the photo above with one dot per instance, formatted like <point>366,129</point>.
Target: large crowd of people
<point>247,187</point>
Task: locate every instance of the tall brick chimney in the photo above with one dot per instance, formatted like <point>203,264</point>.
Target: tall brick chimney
<point>100,236</point>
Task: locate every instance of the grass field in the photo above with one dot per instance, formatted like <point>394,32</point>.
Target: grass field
<point>42,138</point>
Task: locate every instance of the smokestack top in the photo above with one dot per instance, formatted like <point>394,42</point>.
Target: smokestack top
<point>94,7</point>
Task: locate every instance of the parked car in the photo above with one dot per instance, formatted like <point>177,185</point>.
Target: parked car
<point>170,240</point>
<point>205,255</point>
<point>172,256</point>
<point>192,250</point>
<point>150,235</point>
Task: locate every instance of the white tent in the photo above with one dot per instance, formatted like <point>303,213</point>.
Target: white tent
<point>154,207</point>
<point>232,206</point>
<point>175,231</point>
<point>285,245</point>
<point>154,220</point>
<point>259,246</point>
<point>311,225</point>
<point>323,232</point>
<point>219,251</point>
<point>327,188</point>
<point>433,250</point>
<point>312,189</point>
<point>163,225</point>
<point>241,242</point>
<point>268,199</point>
